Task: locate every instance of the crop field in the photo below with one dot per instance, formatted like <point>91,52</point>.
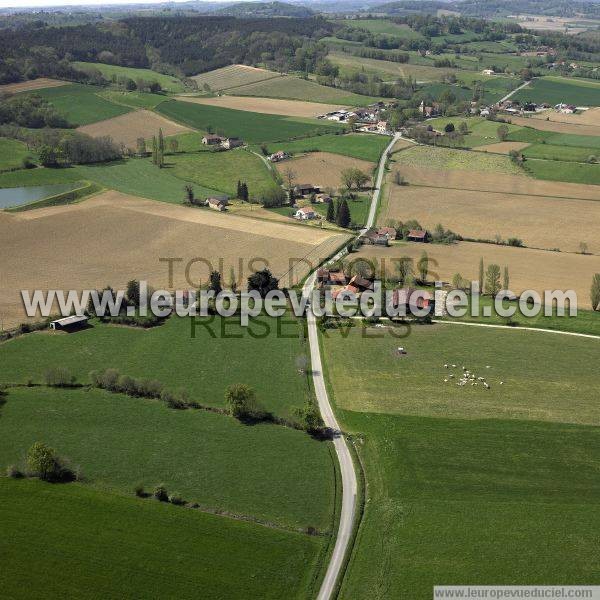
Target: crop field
<point>222,170</point>
<point>270,106</point>
<point>271,473</point>
<point>575,128</point>
<point>253,128</point>
<point>453,160</point>
<point>126,129</point>
<point>554,90</point>
<point>529,269</point>
<point>322,168</point>
<point>355,145</point>
<point>12,153</point>
<point>502,147</point>
<point>232,76</point>
<point>295,88</point>
<point>496,182</point>
<point>31,85</point>
<point>462,485</point>
<point>588,117</point>
<point>112,72</point>
<point>485,215</point>
<point>81,104</point>
<point>387,27</point>
<point>132,234</point>
<point>481,131</point>
<point>57,528</point>
<point>556,152</point>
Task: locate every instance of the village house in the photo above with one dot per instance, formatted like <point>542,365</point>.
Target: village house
<point>323,199</point>
<point>372,236</point>
<point>217,202</point>
<point>231,143</point>
<point>388,232</point>
<point>429,111</point>
<point>361,284</point>
<point>212,140</point>
<point>488,72</point>
<point>417,235</point>
<point>327,277</point>
<point>382,127</point>
<point>305,213</point>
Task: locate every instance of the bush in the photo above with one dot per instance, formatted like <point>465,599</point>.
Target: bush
<point>241,401</point>
<point>160,493</point>
<point>14,472</point>
<point>43,462</point>
<point>139,490</point>
<point>59,377</point>
<point>176,499</point>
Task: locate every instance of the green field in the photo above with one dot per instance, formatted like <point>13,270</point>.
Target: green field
<point>81,104</point>
<point>564,153</point>
<point>295,88</point>
<point>268,472</point>
<point>555,90</point>
<point>12,153</point>
<point>481,131</point>
<point>467,485</point>
<point>555,170</point>
<point>253,128</point>
<point>222,170</point>
<point>133,99</point>
<point>88,544</point>
<point>357,145</point>
<point>112,72</point>
<point>384,26</point>
<point>169,354</point>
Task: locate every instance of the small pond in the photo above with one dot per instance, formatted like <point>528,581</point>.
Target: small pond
<point>18,196</point>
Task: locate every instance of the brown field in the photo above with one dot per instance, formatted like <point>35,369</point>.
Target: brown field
<point>529,269</point>
<point>401,144</point>
<point>502,147</point>
<point>33,84</point>
<point>113,238</point>
<point>323,168</point>
<point>127,128</point>
<point>232,76</point>
<point>588,117</point>
<point>576,127</point>
<point>541,222</point>
<point>270,106</point>
<point>497,182</point>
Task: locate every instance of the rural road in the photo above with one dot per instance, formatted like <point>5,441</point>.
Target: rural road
<point>349,484</point>
<point>514,92</point>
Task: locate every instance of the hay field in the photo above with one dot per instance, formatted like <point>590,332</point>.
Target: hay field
<point>484,215</point>
<point>32,84</point>
<point>114,237</point>
<point>502,147</point>
<point>322,168</point>
<point>126,129</point>
<point>270,106</point>
<point>496,182</point>
<point>572,126</point>
<point>232,76</point>
<point>529,269</point>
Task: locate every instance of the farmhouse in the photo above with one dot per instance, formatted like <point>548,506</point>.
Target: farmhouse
<point>407,300</point>
<point>361,284</point>
<point>488,72</point>
<point>279,156</point>
<point>231,143</point>
<point>305,189</point>
<point>323,199</point>
<point>382,127</point>
<point>429,111</point>
<point>217,203</point>
<point>69,323</point>
<point>417,235</point>
<point>212,140</point>
<point>388,232</point>
<point>327,277</point>
<point>305,213</point>
<point>373,237</point>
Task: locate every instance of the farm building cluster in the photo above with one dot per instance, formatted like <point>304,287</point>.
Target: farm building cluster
<point>220,142</point>
<point>368,119</point>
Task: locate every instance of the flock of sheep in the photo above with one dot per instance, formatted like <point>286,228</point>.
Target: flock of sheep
<point>468,377</point>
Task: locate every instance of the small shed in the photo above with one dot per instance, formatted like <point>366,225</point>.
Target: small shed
<point>69,323</point>
<point>417,235</point>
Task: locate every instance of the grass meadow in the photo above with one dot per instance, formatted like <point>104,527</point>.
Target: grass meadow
<point>67,528</point>
<point>12,153</point>
<point>253,128</point>
<point>557,170</point>
<point>466,485</point>
<point>112,72</point>
<point>555,90</point>
<point>81,104</point>
<point>356,145</point>
<point>268,472</point>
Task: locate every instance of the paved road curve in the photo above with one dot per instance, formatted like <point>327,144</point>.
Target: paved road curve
<point>349,485</point>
